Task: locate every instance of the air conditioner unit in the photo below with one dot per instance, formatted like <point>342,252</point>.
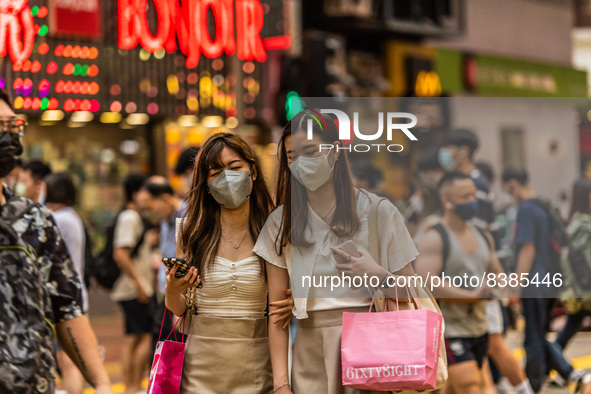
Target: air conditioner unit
<point>358,8</point>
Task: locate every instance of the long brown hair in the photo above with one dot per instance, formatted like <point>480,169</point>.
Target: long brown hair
<point>201,230</point>
<point>345,221</point>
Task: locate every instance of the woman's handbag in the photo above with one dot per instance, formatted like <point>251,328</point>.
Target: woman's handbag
<point>391,351</point>
<point>421,294</point>
<point>167,367</point>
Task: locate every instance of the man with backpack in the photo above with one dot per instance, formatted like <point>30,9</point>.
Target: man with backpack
<point>537,239</point>
<point>40,290</point>
<point>159,198</point>
<point>133,289</point>
<point>457,154</point>
<point>452,249</point>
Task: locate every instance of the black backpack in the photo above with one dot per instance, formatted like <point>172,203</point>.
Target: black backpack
<point>578,262</point>
<point>89,258</point>
<point>105,269</point>
<point>27,359</point>
<point>558,237</point>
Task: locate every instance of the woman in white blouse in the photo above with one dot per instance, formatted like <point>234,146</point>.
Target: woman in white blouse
<point>227,350</point>
<point>318,209</point>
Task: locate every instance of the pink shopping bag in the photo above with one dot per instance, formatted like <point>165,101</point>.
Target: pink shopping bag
<point>167,367</point>
<point>391,351</point>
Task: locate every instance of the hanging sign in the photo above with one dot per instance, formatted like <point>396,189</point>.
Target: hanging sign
<point>75,18</point>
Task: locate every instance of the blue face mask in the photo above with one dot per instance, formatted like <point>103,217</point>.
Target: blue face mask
<point>467,210</point>
<point>446,159</point>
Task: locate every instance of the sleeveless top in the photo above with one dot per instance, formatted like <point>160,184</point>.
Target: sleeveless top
<point>465,320</point>
<point>233,289</point>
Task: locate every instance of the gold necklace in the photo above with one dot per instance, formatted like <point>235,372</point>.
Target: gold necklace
<point>236,246</point>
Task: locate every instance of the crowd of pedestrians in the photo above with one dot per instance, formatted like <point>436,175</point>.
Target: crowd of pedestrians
<point>243,248</point>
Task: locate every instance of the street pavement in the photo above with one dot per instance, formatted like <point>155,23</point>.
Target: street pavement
<point>107,322</point>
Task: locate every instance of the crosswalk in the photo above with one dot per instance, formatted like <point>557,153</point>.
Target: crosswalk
<point>583,362</point>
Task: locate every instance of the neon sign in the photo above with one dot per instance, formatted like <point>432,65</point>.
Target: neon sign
<point>17,30</point>
<point>187,21</point>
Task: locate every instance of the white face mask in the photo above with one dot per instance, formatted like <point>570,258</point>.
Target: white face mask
<point>230,188</point>
<point>20,189</point>
<point>312,172</point>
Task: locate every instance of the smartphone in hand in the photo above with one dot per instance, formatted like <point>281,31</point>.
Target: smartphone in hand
<point>183,268</point>
<point>348,247</point>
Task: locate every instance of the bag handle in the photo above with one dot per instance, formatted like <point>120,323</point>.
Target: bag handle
<point>413,300</point>
<point>173,328</point>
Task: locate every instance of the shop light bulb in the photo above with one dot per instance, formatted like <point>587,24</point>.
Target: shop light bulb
<point>52,116</point>
<point>82,116</point>
<point>212,121</point>
<point>187,120</point>
<point>110,117</point>
<point>137,119</point>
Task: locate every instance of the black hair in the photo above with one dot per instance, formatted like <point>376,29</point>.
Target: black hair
<point>451,177</point>
<point>6,98</point>
<point>158,189</point>
<point>186,160</point>
<point>132,184</point>
<point>517,174</point>
<point>486,170</point>
<point>462,137</point>
<point>39,170</point>
<point>60,189</point>
<point>367,172</point>
<point>581,194</point>
<point>428,161</point>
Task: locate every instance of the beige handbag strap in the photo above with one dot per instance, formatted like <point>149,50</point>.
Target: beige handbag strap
<point>374,247</point>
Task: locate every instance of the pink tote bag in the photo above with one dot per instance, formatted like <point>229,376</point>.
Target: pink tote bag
<point>167,367</point>
<point>391,351</point>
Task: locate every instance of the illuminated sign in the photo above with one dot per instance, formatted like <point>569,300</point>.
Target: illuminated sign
<point>75,18</point>
<point>428,84</point>
<point>187,22</point>
<point>17,30</point>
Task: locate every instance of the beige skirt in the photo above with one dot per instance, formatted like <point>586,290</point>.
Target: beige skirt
<point>227,356</point>
<point>317,354</point>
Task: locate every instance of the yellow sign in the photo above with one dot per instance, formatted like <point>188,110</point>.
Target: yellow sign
<point>428,84</point>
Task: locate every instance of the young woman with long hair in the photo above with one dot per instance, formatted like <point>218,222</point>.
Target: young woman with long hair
<point>227,350</point>
<point>319,208</point>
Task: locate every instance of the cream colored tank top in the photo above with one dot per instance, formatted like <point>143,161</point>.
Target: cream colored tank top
<point>233,289</point>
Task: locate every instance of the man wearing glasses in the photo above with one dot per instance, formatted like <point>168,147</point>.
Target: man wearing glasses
<point>26,223</point>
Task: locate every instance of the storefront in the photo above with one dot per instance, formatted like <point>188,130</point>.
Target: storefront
<point>109,89</point>
<point>542,136</point>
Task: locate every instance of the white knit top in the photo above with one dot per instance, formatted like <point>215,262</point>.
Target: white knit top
<point>233,289</point>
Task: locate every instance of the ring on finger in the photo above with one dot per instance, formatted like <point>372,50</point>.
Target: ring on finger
<point>348,258</point>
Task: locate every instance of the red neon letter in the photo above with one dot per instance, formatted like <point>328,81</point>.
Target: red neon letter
<point>228,24</point>
<point>127,37</point>
<point>179,17</point>
<point>10,24</point>
<point>249,23</point>
<point>194,46</point>
<point>211,49</point>
<point>149,42</point>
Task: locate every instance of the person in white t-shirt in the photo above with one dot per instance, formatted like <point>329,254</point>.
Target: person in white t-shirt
<point>318,209</point>
<point>134,289</point>
<point>61,196</point>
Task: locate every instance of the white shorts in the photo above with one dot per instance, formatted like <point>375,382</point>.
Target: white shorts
<point>495,317</point>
